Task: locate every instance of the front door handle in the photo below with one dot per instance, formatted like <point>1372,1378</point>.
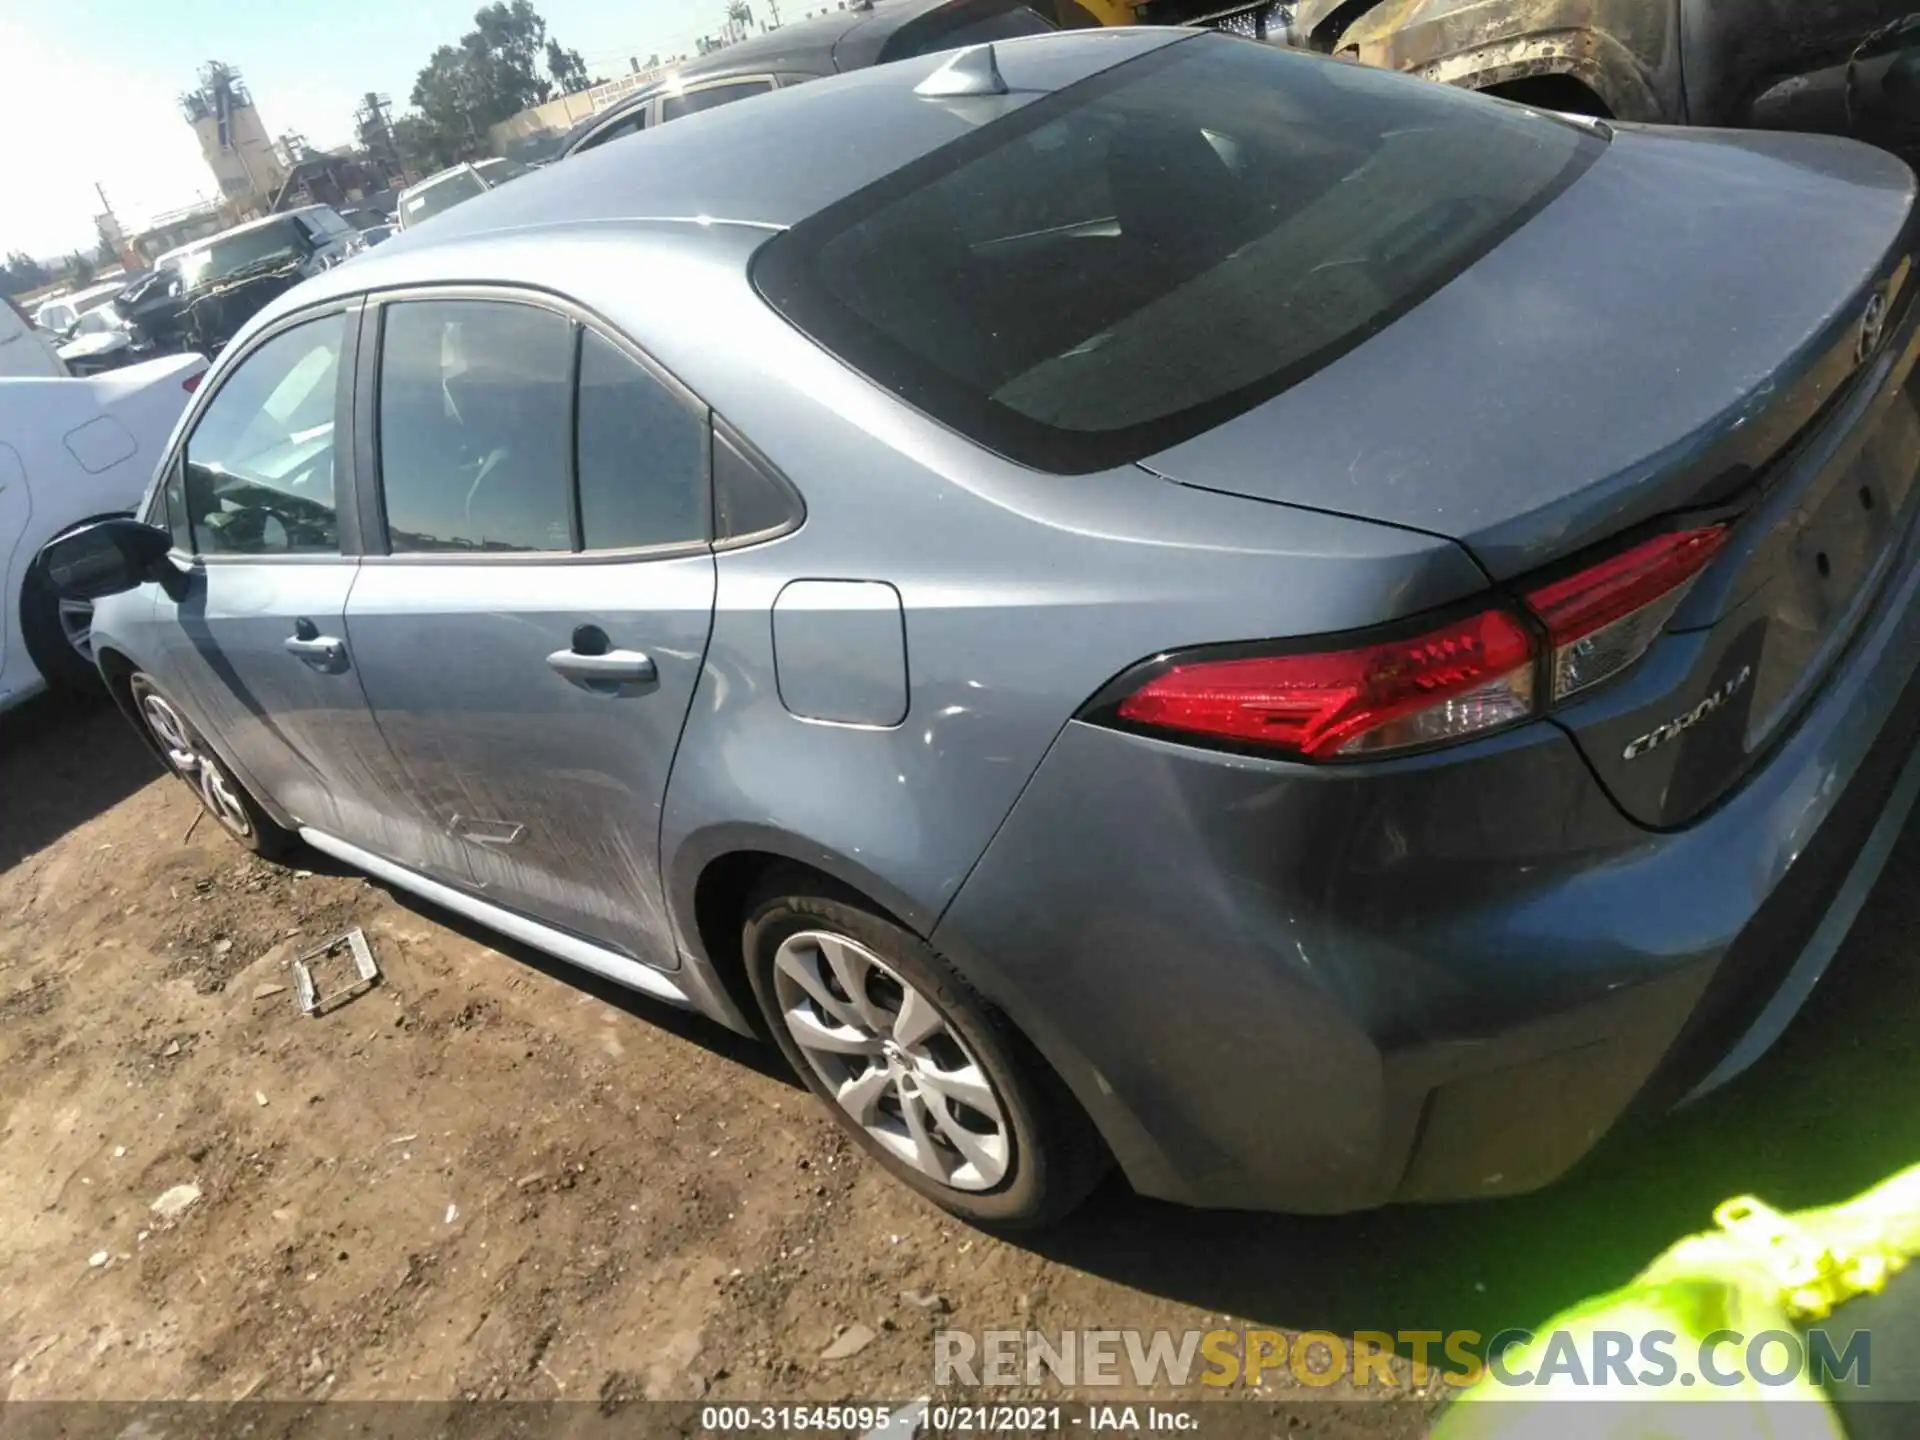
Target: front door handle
<point>613,667</point>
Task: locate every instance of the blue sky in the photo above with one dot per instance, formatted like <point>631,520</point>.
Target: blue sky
<point>90,85</point>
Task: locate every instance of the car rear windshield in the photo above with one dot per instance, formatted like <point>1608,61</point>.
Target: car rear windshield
<point>1141,256</point>
<point>439,195</point>
<point>263,247</point>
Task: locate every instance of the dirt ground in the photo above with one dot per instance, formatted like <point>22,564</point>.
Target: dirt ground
<point>493,1176</point>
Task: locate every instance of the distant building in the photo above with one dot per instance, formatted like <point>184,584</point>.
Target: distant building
<point>244,160</point>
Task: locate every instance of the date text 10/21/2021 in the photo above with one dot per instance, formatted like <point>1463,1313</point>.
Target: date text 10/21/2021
<point>879,1422</point>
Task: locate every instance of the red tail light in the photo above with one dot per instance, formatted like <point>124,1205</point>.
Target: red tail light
<point>1463,678</point>
<point>1603,619</point>
<point>1466,677</point>
<point>192,382</point>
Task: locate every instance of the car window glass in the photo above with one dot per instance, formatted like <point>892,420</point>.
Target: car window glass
<point>258,477</point>
<point>474,411</point>
<point>171,509</point>
<point>674,106</point>
<point>1143,255</point>
<point>642,456</point>
<point>628,126</point>
<point>98,322</point>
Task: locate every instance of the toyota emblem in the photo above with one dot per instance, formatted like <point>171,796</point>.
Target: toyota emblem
<point>1873,325</point>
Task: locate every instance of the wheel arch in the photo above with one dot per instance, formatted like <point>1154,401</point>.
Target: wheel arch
<point>717,869</point>
<point>1625,54</point>
<point>709,892</point>
<point>119,685</point>
<point>1562,90</point>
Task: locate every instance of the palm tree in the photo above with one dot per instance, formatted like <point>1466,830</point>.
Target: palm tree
<point>739,17</point>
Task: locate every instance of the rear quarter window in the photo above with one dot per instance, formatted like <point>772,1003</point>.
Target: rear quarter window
<point>711,97</point>
<point>1142,256</point>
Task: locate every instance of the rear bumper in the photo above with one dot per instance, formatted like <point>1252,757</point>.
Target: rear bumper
<point>1275,987</point>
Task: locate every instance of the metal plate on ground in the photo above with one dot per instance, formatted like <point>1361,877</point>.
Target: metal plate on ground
<point>350,948</point>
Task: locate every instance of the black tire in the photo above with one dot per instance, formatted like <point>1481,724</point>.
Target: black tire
<point>1056,1155</point>
<point>64,667</point>
<point>227,802</point>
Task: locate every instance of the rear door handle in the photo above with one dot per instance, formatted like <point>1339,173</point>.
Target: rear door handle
<point>324,648</point>
<point>615,667</point>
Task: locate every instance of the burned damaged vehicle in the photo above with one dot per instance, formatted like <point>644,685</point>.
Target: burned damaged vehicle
<point>226,279</point>
<point>1839,66</point>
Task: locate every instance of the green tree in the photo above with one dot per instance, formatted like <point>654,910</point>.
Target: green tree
<point>494,72</point>
<point>514,41</point>
<point>80,268</point>
<point>22,273</point>
<point>568,70</point>
<point>419,144</point>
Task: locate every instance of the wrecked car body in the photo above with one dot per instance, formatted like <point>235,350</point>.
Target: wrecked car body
<point>1845,66</point>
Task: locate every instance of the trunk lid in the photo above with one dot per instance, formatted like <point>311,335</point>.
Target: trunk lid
<point>1703,323</point>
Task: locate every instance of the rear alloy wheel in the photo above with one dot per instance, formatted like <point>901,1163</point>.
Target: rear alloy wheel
<point>195,762</point>
<point>891,1060</point>
<point>915,1066</point>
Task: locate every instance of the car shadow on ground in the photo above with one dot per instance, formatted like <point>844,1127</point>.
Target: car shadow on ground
<point>1829,1112</point>
<point>688,1025</point>
<point>64,760</point>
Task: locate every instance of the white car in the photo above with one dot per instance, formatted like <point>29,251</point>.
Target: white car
<point>71,451</point>
<point>451,187</point>
<point>26,349</point>
<point>101,340</point>
<point>62,313</point>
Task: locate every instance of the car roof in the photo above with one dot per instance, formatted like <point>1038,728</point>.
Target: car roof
<point>74,297</point>
<point>698,197</point>
<point>260,224</point>
<point>790,153</point>
<point>438,177</point>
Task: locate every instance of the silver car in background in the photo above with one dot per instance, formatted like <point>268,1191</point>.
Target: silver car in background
<point>450,187</point>
<point>1125,595</point>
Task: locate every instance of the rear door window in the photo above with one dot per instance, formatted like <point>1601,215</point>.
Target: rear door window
<point>711,97</point>
<point>508,427</point>
<point>1144,255</point>
<point>475,421</point>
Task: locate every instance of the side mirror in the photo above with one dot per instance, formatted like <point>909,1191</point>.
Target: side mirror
<point>105,558</point>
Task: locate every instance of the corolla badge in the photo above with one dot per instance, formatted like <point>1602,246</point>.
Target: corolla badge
<point>1680,724</point>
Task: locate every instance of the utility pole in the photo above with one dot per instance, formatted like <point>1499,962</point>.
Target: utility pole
<point>112,238</point>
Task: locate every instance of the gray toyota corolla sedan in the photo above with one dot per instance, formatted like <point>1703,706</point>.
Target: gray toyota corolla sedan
<point>1123,595</point>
